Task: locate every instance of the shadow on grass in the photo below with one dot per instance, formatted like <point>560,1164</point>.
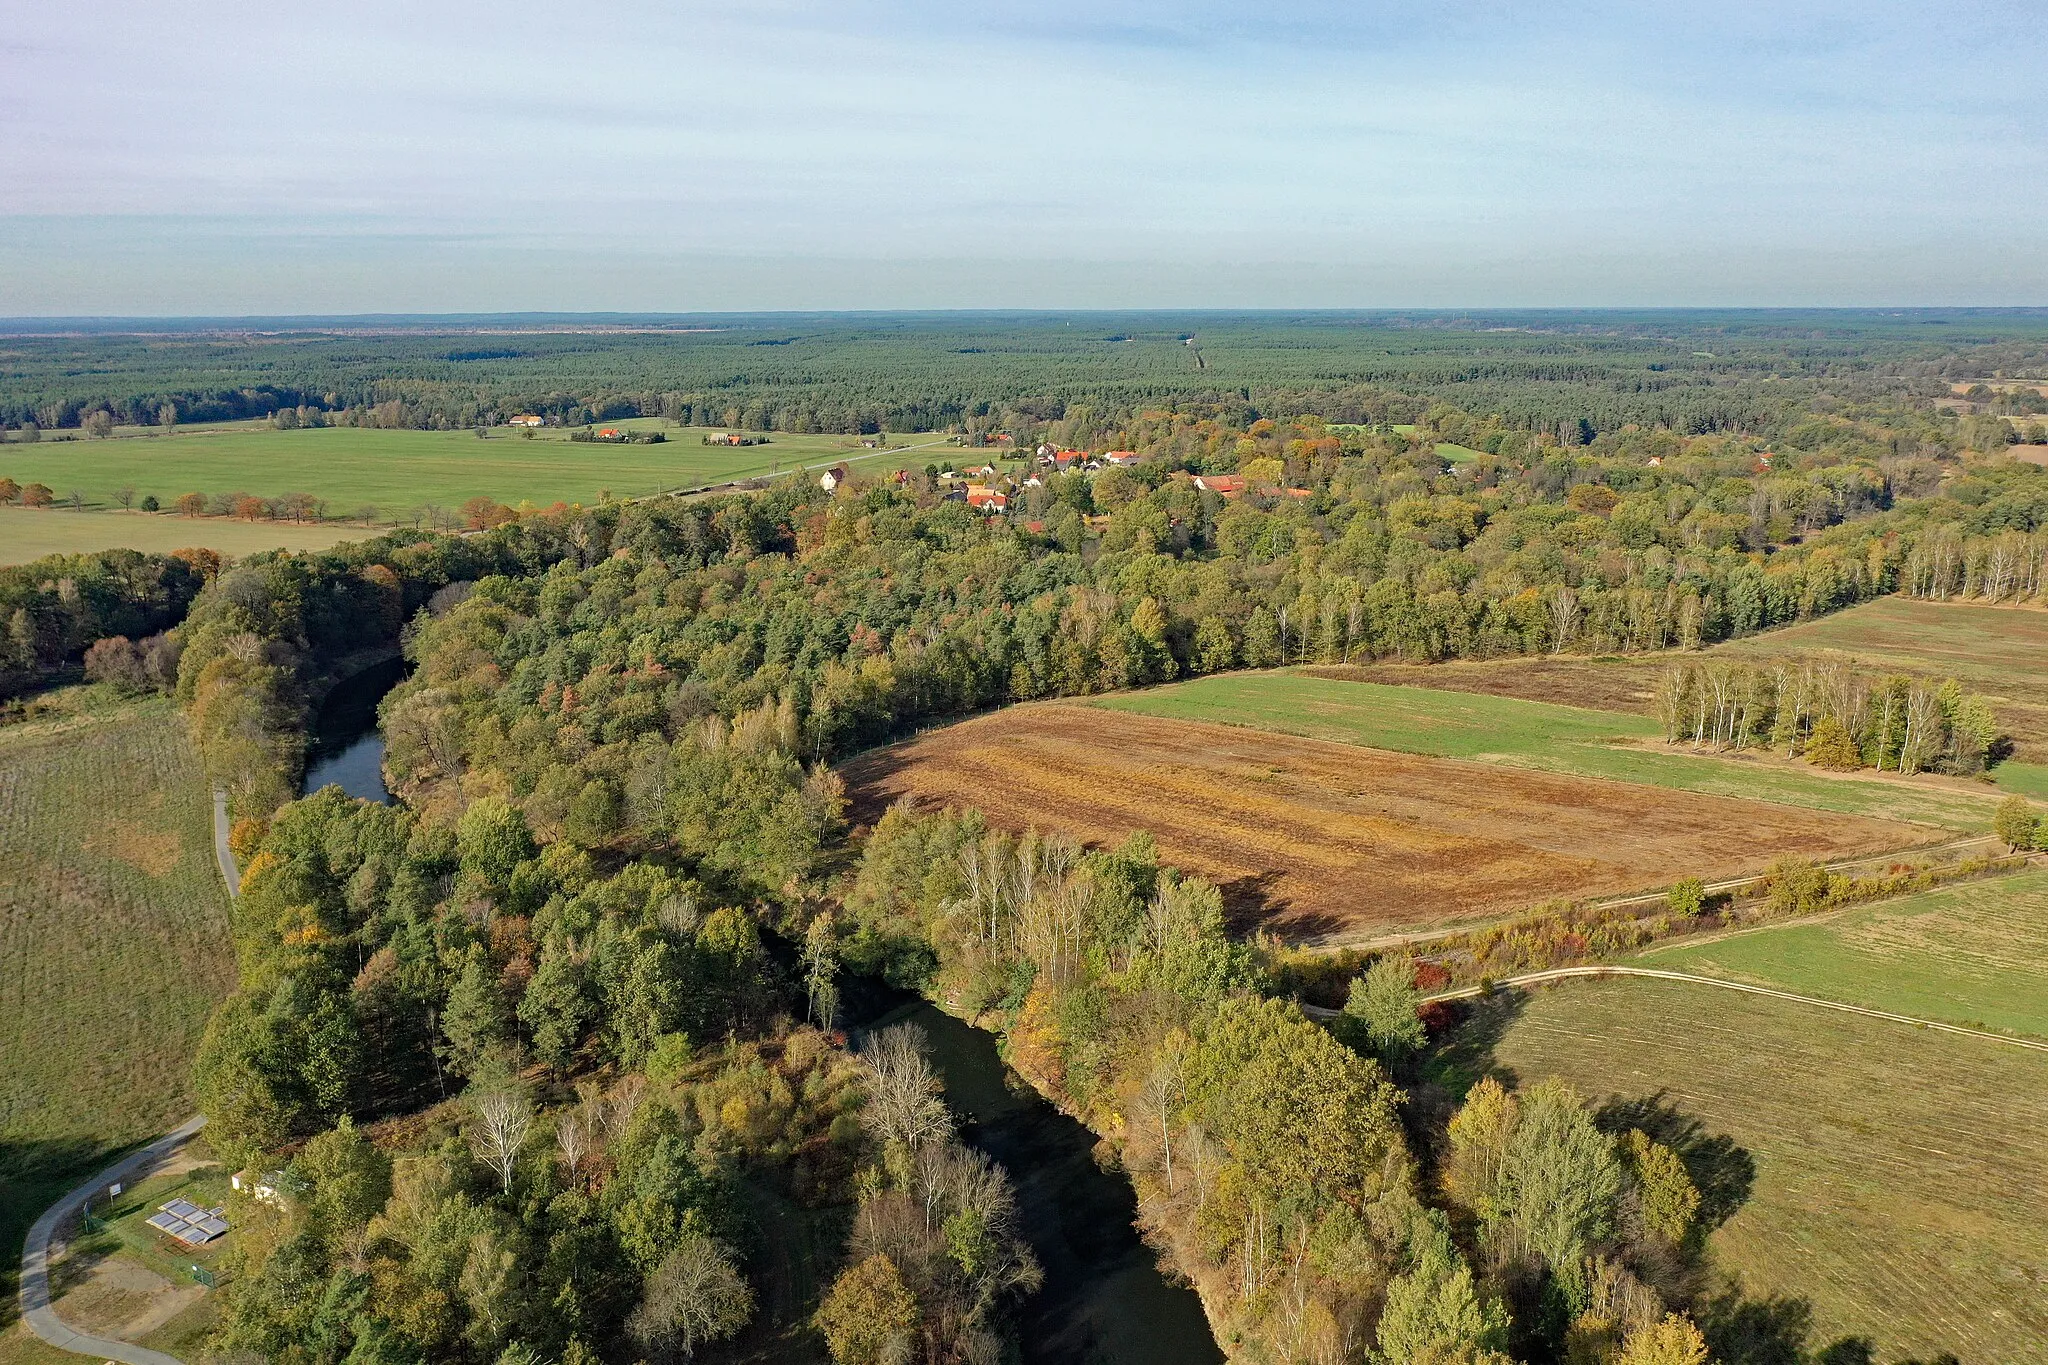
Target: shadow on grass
<point>1722,1170</point>
<point>34,1174</point>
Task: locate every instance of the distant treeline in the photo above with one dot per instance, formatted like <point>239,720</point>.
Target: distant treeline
<point>1571,375</point>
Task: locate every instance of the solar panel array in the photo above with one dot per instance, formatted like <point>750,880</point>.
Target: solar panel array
<point>188,1222</point>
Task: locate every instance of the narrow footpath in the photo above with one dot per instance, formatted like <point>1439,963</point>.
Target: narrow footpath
<point>36,1310</point>
<point>221,852</point>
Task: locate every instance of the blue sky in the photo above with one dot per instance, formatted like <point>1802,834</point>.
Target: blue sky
<point>225,156</point>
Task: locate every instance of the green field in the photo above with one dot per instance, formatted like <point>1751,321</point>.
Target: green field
<point>1531,734</point>
<point>397,472</point>
<point>27,533</point>
<point>1887,1179</point>
<point>2001,652</point>
<point>113,942</point>
<point>1970,954</point>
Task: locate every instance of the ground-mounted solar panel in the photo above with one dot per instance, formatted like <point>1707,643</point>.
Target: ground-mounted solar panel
<point>182,1209</point>
<point>209,1227</point>
<point>170,1223</point>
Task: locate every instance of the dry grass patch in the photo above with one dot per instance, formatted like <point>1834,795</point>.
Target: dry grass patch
<point>1316,839</point>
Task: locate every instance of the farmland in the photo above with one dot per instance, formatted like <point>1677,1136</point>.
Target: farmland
<point>1525,734</point>
<point>1319,839</point>
<point>113,940</point>
<point>27,533</point>
<point>1970,954</point>
<point>1883,1179</point>
<point>396,472</point>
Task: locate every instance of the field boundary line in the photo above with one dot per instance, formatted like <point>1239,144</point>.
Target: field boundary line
<point>36,1309</point>
<point>222,853</point>
<point>1567,973</point>
<point>774,474</point>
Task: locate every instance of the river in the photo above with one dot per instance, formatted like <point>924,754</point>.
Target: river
<point>348,748</point>
<point>1104,1301</point>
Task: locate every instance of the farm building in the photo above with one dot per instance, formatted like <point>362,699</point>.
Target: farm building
<point>526,419</point>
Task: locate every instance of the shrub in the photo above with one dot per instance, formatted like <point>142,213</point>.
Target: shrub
<point>1831,746</point>
<point>1688,898</point>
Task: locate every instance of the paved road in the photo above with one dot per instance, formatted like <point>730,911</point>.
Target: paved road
<point>221,852</point>
<point>36,1311</point>
<point>1564,973</point>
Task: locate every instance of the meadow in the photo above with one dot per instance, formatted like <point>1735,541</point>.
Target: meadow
<point>1878,1181</point>
<point>113,941</point>
<point>1514,732</point>
<point>1322,842</point>
<point>395,473</point>
<point>31,533</point>
<point>1975,953</point>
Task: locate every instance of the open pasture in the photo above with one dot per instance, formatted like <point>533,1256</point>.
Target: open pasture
<point>397,472</point>
<point>1876,1180</point>
<point>1323,841</point>
<point>1513,732</point>
<point>113,941</point>
<point>1976,953</point>
<point>31,533</point>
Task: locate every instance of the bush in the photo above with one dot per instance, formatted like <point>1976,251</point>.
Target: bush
<point>1688,898</point>
<point>1831,746</point>
<point>2016,824</point>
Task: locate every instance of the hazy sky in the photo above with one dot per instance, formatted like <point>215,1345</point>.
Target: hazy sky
<point>222,156</point>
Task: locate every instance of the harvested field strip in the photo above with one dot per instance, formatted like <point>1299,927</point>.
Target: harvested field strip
<point>1527,734</point>
<point>1970,954</point>
<point>1886,1178</point>
<point>113,943</point>
<point>1321,839</point>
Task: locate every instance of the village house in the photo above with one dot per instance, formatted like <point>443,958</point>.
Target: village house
<point>833,477</point>
<point>985,499</point>
<point>1228,485</point>
<point>525,419</point>
<point>1120,458</point>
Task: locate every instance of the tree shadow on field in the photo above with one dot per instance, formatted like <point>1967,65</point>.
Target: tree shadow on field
<point>1249,904</point>
<point>34,1174</point>
<point>1721,1169</point>
<point>1756,1331</point>
<point>1466,1052</point>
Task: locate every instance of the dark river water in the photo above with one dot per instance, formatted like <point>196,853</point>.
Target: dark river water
<point>348,748</point>
<point>1104,1301</point>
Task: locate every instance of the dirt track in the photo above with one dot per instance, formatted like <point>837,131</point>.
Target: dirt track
<point>1313,838</point>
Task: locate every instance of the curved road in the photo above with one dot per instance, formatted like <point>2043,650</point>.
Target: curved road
<point>1563,973</point>
<point>36,1311</point>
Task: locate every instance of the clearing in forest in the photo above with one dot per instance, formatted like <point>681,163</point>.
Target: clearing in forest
<point>1973,954</point>
<point>1869,1179</point>
<point>1324,841</point>
<point>113,942</point>
<point>397,471</point>
<point>1561,739</point>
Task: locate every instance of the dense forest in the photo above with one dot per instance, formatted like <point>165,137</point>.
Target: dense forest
<point>534,1050</point>
<point>1575,375</point>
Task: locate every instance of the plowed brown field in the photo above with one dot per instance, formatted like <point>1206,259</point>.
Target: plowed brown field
<point>1317,839</point>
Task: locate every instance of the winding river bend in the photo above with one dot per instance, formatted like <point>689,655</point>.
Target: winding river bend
<point>348,748</point>
<point>1104,1301</point>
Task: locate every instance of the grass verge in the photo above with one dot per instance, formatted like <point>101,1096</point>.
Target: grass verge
<point>1869,1179</point>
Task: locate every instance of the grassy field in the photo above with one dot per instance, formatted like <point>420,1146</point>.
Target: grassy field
<point>27,533</point>
<point>2001,652</point>
<point>1529,734</point>
<point>1884,1181</point>
<point>1327,842</point>
<point>398,471</point>
<point>1970,954</point>
<point>113,942</point>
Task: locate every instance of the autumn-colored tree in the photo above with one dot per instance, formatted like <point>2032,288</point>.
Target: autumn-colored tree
<point>481,514</point>
<point>2016,824</point>
<point>190,504</point>
<point>1664,1189</point>
<point>869,1317</point>
<point>10,492</point>
<point>1832,746</point>
<point>251,508</point>
<point>1674,1341</point>
<point>37,495</point>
